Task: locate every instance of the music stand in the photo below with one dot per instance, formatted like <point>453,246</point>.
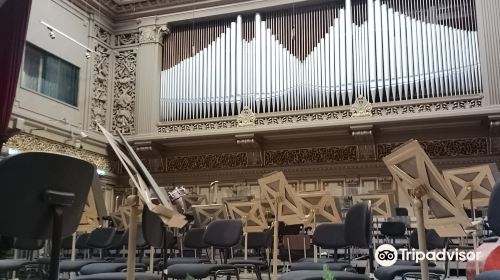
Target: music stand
<point>252,216</point>
<point>322,208</point>
<point>44,195</point>
<point>285,205</point>
<point>381,207</point>
<point>434,202</point>
<point>204,214</point>
<point>473,185</point>
<point>194,199</point>
<point>147,190</point>
<point>245,198</point>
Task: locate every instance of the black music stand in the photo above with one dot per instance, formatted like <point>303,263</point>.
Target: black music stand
<point>42,197</point>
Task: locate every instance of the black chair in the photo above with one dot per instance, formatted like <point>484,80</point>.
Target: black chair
<point>357,233</point>
<point>494,222</point>
<point>222,234</point>
<point>100,238</point>
<point>23,244</point>
<point>412,268</point>
<point>47,192</point>
<point>326,236</point>
<point>394,230</point>
<point>193,239</point>
<point>256,241</point>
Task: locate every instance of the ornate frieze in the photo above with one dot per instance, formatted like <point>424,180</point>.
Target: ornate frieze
<point>100,82</point>
<point>208,161</point>
<point>126,39</point>
<point>102,35</point>
<point>124,92</point>
<point>31,143</point>
<point>443,148</point>
<point>378,111</point>
<point>361,108</point>
<point>310,156</point>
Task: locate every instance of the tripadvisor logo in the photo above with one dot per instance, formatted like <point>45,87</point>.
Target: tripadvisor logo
<point>387,255</point>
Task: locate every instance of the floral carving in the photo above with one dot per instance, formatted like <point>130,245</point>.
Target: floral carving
<point>246,117</point>
<point>310,156</point>
<point>126,39</point>
<point>124,92</point>
<point>100,81</point>
<point>31,143</point>
<point>209,161</point>
<point>378,111</point>
<point>102,34</point>
<point>443,148</point>
<point>151,34</point>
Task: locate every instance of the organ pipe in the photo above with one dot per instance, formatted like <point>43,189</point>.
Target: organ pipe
<point>321,57</point>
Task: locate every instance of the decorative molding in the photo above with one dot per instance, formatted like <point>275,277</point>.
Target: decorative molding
<point>31,143</point>
<point>310,156</point>
<point>342,113</point>
<point>152,33</point>
<point>246,117</point>
<point>124,92</point>
<point>126,39</point>
<point>102,35</point>
<point>208,161</point>
<point>100,85</point>
<point>361,108</point>
<point>443,148</point>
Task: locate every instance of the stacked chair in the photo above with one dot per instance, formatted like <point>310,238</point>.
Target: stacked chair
<point>357,233</point>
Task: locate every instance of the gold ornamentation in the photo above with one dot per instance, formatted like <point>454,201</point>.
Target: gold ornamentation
<point>246,117</point>
<point>31,143</point>
<point>361,108</point>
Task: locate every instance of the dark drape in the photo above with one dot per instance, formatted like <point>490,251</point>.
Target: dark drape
<point>14,16</point>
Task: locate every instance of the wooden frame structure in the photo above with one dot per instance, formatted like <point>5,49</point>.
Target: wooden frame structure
<point>320,206</point>
<point>251,213</point>
<point>473,183</point>
<point>94,210</point>
<point>195,199</point>
<point>204,214</point>
<point>380,204</point>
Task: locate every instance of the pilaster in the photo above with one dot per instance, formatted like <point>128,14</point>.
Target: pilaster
<point>149,54</point>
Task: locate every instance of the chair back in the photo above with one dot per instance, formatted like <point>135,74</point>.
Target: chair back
<point>329,236</point>
<point>101,238</point>
<point>393,229</point>
<point>223,233</point>
<point>255,240</point>
<point>433,240</point>
<point>494,209</point>
<point>401,212</point>
<point>81,241</point>
<point>194,239</point>
<point>358,226</point>
<point>28,244</point>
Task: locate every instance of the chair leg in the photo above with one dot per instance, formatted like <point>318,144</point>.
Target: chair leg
<point>256,269</point>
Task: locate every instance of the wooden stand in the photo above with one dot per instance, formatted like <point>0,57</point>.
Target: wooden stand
<point>435,203</point>
<point>133,202</point>
<point>204,214</point>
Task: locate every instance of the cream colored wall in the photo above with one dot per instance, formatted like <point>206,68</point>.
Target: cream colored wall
<point>45,116</point>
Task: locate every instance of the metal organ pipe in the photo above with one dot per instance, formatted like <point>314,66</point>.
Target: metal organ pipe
<point>321,57</point>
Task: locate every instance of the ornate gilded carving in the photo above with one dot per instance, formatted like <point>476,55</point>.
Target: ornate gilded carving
<point>246,117</point>
<point>310,156</point>
<point>100,81</point>
<point>151,33</point>
<point>31,143</point>
<point>124,92</point>
<point>378,111</point>
<point>361,108</point>
<point>102,34</point>
<point>126,39</point>
<point>209,161</point>
<point>443,148</point>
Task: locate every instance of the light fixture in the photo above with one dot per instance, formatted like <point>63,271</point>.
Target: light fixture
<point>52,34</point>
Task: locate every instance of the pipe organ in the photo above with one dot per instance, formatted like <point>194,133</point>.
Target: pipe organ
<point>320,57</point>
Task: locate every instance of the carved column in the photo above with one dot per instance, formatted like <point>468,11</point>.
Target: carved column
<point>149,59</point>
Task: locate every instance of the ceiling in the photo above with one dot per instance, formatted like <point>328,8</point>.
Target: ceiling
<point>129,9</point>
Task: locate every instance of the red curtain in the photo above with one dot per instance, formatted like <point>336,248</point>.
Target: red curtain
<point>14,17</point>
